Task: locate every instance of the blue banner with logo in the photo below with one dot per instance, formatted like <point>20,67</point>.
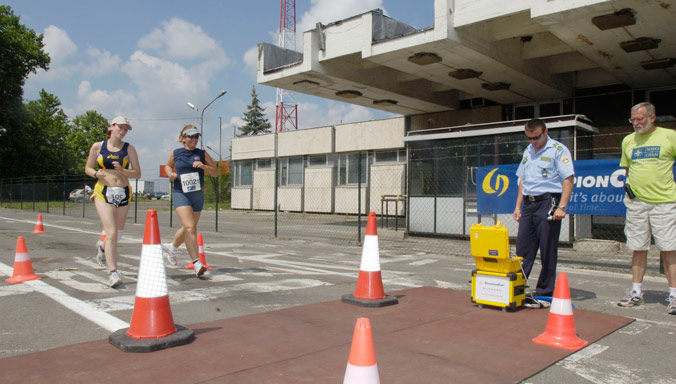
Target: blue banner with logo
<point>599,188</point>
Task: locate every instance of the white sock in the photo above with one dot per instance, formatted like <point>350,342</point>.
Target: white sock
<point>636,287</point>
<point>119,235</point>
<point>672,291</point>
<point>172,248</point>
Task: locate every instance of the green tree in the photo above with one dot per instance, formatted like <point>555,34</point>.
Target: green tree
<point>21,52</point>
<point>44,137</point>
<point>256,122</point>
<point>85,130</point>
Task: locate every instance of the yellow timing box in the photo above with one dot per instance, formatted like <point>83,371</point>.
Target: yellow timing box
<point>506,290</point>
<point>490,248</point>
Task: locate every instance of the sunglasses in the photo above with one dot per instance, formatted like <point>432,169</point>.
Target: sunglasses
<point>637,120</point>
<point>535,138</point>
<point>195,136</point>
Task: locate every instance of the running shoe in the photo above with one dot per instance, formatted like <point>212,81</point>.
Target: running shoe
<point>115,280</point>
<point>100,254</point>
<point>671,308</point>
<point>199,268</point>
<point>171,252</point>
<point>631,299</point>
<point>531,302</point>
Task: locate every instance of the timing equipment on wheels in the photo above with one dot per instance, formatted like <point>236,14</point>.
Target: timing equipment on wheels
<point>498,279</point>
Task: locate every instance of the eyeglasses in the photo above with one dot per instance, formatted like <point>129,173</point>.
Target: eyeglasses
<point>535,138</point>
<point>195,136</point>
<point>636,119</point>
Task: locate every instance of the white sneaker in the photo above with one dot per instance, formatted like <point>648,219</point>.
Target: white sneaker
<point>171,252</point>
<point>100,254</point>
<point>199,268</point>
<point>115,280</point>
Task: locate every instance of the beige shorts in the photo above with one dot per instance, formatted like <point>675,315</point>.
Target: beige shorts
<point>644,219</point>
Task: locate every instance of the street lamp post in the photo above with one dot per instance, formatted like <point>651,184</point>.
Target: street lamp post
<point>192,106</point>
<point>218,179</point>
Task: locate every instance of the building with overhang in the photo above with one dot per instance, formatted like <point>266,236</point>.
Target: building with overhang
<point>482,62</point>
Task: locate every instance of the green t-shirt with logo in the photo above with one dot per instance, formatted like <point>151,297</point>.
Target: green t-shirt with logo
<point>650,160</point>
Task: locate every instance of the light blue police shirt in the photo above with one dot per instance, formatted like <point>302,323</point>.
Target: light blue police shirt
<point>544,171</point>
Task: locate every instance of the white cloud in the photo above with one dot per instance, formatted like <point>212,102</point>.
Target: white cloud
<point>162,83</point>
<point>312,115</point>
<point>250,59</point>
<point>181,40</point>
<point>100,63</point>
<point>60,48</point>
<point>58,44</point>
<point>108,103</point>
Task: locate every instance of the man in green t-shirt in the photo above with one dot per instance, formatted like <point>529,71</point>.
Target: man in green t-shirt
<point>648,155</point>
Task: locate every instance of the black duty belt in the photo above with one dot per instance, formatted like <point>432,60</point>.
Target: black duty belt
<point>540,197</point>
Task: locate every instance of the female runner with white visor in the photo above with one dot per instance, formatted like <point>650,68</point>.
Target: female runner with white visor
<point>112,192</point>
<point>185,169</point>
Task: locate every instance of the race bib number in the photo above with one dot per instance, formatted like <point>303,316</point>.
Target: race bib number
<point>190,182</point>
<point>115,195</point>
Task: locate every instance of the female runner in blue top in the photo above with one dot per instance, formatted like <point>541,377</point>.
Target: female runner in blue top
<point>185,169</point>
<point>112,192</point>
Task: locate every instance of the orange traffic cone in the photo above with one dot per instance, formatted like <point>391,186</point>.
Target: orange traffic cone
<point>23,268</point>
<point>152,325</point>
<point>100,251</point>
<point>361,365</point>
<point>39,227</point>
<point>202,256</point>
<point>369,291</point>
<point>152,316</point>
<point>560,331</point>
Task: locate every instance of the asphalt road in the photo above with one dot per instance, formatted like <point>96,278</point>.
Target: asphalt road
<point>251,274</point>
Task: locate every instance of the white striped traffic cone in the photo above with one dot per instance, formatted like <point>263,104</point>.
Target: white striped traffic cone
<point>39,226</point>
<point>560,331</point>
<point>361,365</point>
<point>152,316</point>
<point>202,256</point>
<point>23,268</point>
<point>369,291</point>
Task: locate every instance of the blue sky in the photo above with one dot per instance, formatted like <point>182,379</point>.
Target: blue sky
<point>147,58</point>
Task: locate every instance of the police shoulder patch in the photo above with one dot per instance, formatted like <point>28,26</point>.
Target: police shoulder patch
<point>565,160</point>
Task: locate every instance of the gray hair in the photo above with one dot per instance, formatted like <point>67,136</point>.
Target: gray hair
<point>649,108</point>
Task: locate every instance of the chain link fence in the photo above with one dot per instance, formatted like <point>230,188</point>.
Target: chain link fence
<point>424,198</point>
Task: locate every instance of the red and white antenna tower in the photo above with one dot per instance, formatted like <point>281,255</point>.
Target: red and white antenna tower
<point>286,115</point>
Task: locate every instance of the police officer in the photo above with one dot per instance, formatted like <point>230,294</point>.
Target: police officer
<point>546,179</point>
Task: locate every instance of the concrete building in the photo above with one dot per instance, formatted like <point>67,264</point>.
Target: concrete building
<point>321,169</point>
<point>481,62</point>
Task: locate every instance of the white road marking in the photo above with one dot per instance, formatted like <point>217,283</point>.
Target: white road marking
<point>121,303</point>
<point>447,285</point>
<point>598,372</point>
<point>634,328</point>
<point>423,262</point>
<point>14,289</point>
<point>97,233</point>
<point>98,317</point>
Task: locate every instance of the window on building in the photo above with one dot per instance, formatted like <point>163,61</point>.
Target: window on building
<point>550,109</point>
<point>390,156</point>
<point>243,173</point>
<point>349,170</point>
<point>665,108</point>
<point>524,112</point>
<point>317,160</point>
<point>264,164</point>
<point>291,171</point>
<point>530,111</point>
